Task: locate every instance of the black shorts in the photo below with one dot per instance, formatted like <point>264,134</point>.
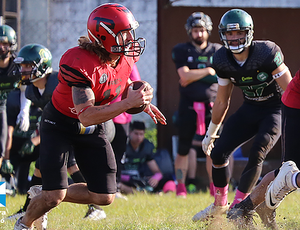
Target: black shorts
<point>187,123</point>
<point>93,153</point>
<point>290,134</point>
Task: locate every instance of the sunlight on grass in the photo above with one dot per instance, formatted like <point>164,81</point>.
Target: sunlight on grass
<point>149,211</point>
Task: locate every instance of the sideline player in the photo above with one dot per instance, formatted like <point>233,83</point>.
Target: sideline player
<point>258,69</point>
<point>198,87</point>
<point>91,75</point>
<point>9,79</point>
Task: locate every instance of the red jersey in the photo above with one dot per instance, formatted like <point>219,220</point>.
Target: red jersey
<point>291,96</point>
<point>81,68</point>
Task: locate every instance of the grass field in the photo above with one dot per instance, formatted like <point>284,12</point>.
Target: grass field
<point>150,211</point>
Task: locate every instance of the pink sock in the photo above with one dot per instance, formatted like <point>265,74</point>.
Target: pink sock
<point>239,196</point>
<point>221,196</point>
<point>212,189</point>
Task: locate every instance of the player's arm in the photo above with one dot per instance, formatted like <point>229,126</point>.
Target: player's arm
<point>154,180</point>
<point>221,103</point>
<point>187,75</point>
<point>282,76</point>
<point>219,112</point>
<point>89,114</point>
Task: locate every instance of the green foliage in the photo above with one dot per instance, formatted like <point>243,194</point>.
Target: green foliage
<point>151,135</point>
<point>151,211</point>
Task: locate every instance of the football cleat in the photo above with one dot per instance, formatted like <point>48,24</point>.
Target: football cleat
<point>281,186</point>
<point>181,190</point>
<point>16,215</point>
<point>210,212</point>
<point>94,213</point>
<point>241,216</point>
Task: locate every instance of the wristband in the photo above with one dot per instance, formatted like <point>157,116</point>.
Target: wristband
<point>278,75</point>
<point>213,129</point>
<point>157,176</point>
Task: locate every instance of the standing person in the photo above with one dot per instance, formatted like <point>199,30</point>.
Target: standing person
<point>91,75</point>
<point>257,67</point>
<point>9,79</point>
<point>197,86</point>
<point>283,180</point>
<point>122,123</point>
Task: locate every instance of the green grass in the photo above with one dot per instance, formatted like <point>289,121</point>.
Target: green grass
<point>149,211</point>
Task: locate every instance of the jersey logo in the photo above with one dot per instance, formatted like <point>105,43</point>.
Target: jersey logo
<point>190,59</point>
<point>202,58</point>
<point>103,78</point>
<point>262,76</point>
<point>246,79</point>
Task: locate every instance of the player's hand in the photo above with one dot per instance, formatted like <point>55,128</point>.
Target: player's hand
<point>23,121</point>
<point>7,167</point>
<point>155,114</point>
<point>27,148</point>
<point>208,144</point>
<point>210,136</point>
<point>154,180</point>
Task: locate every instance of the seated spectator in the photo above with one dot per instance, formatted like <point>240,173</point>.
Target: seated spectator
<point>138,155</point>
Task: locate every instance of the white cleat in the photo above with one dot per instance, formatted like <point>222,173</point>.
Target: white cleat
<point>281,186</point>
<point>95,214</point>
<point>210,212</point>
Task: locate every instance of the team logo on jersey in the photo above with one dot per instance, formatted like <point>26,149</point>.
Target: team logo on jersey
<point>103,78</point>
<point>246,79</point>
<point>190,59</point>
<point>262,76</point>
<point>202,58</point>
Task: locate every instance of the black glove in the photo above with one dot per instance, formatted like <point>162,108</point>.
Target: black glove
<point>27,148</point>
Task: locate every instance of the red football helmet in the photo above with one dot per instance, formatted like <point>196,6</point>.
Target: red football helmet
<point>113,26</point>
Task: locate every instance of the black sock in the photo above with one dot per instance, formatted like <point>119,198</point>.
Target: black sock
<point>191,181</point>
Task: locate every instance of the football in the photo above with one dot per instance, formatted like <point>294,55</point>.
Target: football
<point>135,85</point>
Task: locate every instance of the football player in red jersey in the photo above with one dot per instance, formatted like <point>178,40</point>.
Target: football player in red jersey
<point>91,75</point>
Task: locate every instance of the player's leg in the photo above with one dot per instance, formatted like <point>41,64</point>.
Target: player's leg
<point>288,179</point>
<point>96,160</point>
<point>234,133</point>
<point>187,129</point>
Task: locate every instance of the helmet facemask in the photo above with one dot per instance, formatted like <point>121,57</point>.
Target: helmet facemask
<point>130,47</point>
<point>37,72</point>
<point>4,52</point>
<point>241,45</point>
